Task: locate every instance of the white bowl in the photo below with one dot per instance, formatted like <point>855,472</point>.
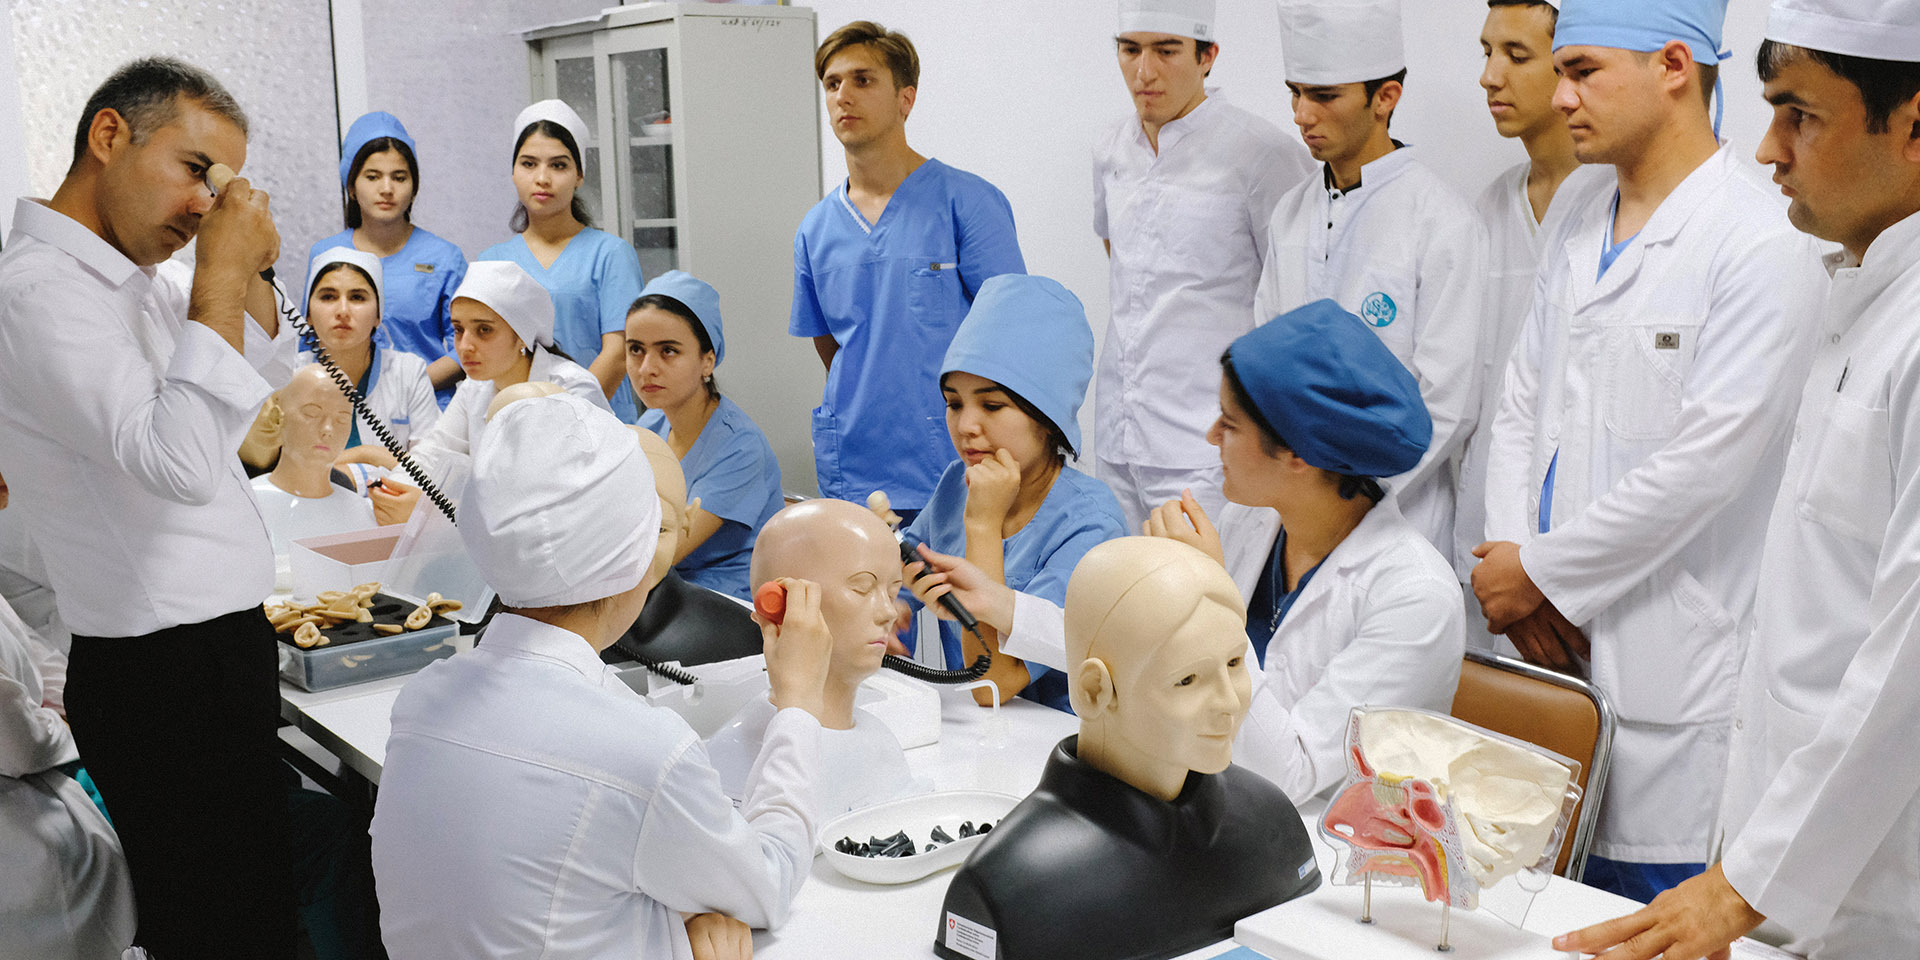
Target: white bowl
<point>917,816</point>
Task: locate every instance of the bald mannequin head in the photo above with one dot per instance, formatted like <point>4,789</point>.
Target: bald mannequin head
<point>1156,636</point>
<point>317,420</point>
<point>676,514</point>
<point>521,391</point>
<point>854,559</point>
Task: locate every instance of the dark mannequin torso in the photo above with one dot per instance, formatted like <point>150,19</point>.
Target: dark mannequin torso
<point>689,624</point>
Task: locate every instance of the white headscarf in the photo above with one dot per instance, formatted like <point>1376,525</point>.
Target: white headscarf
<point>558,112</point>
<point>561,509</point>
<point>1182,18</point>
<point>1878,29</point>
<point>515,295</point>
<point>1329,42</point>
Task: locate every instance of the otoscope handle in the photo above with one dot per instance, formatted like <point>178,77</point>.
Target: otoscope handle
<point>908,554</point>
<point>218,176</point>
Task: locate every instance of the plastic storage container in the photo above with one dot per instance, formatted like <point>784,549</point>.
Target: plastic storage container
<point>355,653</point>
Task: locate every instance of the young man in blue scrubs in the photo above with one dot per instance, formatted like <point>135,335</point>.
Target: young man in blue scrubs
<point>883,270</point>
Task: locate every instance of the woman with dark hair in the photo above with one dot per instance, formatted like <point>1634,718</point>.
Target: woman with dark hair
<point>674,342</point>
<point>380,177</point>
<point>592,275</point>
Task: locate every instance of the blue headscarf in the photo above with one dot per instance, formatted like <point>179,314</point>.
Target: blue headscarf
<point>698,296</point>
<point>1335,394</point>
<point>367,129</point>
<point>1030,335</point>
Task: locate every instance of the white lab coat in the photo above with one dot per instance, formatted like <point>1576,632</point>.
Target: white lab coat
<point>1666,387</point>
<point>453,434</point>
<point>65,893</point>
<point>1379,624</point>
<point>1409,256</point>
<point>1823,794</point>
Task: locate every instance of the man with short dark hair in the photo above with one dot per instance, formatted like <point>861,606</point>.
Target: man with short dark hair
<point>120,415</point>
<point>884,268</point>
<point>1379,233</point>
<point>1822,806</point>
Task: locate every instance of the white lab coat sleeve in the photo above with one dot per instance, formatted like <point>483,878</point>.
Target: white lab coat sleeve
<point>1039,632</point>
<point>1510,452</point>
<point>697,854</point>
<point>79,377</point>
<point>1736,404</point>
<point>1406,653</point>
<point>1100,225</point>
<point>1451,307</point>
<point>1835,799</point>
<point>423,411</point>
<point>275,357</point>
<point>1280,171</point>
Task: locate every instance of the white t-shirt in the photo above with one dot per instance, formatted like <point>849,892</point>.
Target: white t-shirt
<point>290,517</point>
<point>858,767</point>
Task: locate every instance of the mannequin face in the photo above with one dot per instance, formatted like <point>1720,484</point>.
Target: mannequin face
<point>1162,73</point>
<point>486,346</point>
<point>1519,77</point>
<point>676,515</point>
<point>1185,701</point>
<point>665,364</point>
<point>344,310</point>
<point>318,418</point>
<point>982,418</point>
<point>384,187</point>
<point>854,559</point>
<point>545,176</point>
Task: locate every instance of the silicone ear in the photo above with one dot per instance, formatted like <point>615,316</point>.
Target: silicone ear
<point>770,601</point>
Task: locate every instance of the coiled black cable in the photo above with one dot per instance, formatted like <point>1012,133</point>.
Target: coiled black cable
<point>920,671</point>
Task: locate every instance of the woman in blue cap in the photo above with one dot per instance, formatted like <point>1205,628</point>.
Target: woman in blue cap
<point>380,177</point>
<point>1348,603</point>
<point>592,275</point>
<point>1014,378</point>
<point>674,342</point>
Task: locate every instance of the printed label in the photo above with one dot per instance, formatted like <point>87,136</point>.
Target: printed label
<point>970,939</point>
<point>1307,868</point>
<point>1666,341</point>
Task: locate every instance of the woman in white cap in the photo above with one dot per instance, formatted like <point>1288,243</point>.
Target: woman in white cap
<point>380,178</point>
<point>593,275</point>
<point>503,335</point>
<point>346,292</point>
<point>674,343</point>
<point>531,804</point>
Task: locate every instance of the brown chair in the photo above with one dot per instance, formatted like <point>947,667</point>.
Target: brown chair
<point>1563,714</point>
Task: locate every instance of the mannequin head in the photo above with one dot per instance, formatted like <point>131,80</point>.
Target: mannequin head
<point>676,514</point>
<point>854,559</point>
<point>317,418</point>
<point>1156,632</point>
<point>520,391</point>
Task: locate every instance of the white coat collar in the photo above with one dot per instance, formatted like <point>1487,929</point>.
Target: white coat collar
<point>1255,529</point>
<point>36,219</point>
<point>1583,244</point>
<point>512,635</point>
<point>1174,131</point>
<point>1396,162</point>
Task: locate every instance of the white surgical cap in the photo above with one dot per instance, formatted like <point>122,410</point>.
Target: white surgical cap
<point>515,295</point>
<point>1182,18</point>
<point>1877,29</point>
<point>367,262</point>
<point>1328,42</point>
<point>561,508</point>
<point>558,112</point>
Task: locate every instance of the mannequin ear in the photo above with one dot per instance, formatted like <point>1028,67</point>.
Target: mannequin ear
<point>1093,690</point>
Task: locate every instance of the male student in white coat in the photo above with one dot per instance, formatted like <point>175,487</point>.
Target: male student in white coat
<point>1645,423</point>
<point>1517,41</point>
<point>1823,799</point>
<point>1379,233</point>
<point>1183,188</point>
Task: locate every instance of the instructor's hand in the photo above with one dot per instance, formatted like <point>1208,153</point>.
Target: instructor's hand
<point>1699,918</point>
<point>238,234</point>
<point>937,574</point>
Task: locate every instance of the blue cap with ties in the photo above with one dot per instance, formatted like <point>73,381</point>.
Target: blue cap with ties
<point>1030,335</point>
<point>698,296</point>
<point>368,128</point>
<point>1333,392</point>
<point>1644,25</point>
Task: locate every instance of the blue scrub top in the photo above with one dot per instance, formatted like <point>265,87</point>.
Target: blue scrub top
<point>593,282</point>
<point>417,285</point>
<point>731,468</point>
<point>1079,513</point>
<point>892,293</point>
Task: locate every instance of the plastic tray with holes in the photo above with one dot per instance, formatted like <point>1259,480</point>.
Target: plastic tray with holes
<point>356,653</point>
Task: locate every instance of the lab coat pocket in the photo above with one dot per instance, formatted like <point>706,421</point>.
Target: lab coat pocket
<point>1787,730</point>
<point>1670,654</point>
<point>932,290</point>
<point>1851,492</point>
<point>1646,373</point>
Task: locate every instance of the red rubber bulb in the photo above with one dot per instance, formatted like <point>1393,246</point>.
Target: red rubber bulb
<point>770,601</point>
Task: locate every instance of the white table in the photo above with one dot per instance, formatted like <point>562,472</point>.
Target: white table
<point>837,917</point>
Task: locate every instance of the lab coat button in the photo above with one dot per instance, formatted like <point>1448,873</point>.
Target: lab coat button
<point>1834,338</point>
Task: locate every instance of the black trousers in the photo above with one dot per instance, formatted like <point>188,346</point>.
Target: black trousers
<point>177,729</point>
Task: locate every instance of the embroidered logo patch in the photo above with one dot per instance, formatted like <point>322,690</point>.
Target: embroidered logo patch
<point>1378,309</point>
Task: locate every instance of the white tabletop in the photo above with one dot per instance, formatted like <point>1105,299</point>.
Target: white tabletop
<point>835,916</point>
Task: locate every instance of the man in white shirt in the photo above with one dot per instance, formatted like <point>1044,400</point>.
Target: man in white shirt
<point>531,804</point>
<point>1182,191</point>
<point>1517,40</point>
<point>119,422</point>
<point>1645,423</point>
<point>1378,233</point>
<point>1822,812</point>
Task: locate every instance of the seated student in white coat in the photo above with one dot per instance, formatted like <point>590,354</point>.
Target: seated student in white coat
<point>503,335</point>
<point>531,804</point>
<point>1645,424</point>
<point>1379,233</point>
<point>1822,808</point>
<point>1347,603</point>
<point>345,289</point>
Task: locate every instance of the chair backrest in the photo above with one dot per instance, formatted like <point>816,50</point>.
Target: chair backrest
<point>1564,714</point>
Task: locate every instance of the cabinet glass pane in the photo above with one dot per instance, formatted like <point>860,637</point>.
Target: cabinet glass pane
<point>651,166</point>
<point>658,248</point>
<point>573,78</point>
<point>642,109</point>
<point>643,76</point>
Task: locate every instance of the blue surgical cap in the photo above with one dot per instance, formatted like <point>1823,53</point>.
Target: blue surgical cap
<point>1335,394</point>
<point>365,130</point>
<point>698,296</point>
<point>1029,335</point>
<point>1644,25</point>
